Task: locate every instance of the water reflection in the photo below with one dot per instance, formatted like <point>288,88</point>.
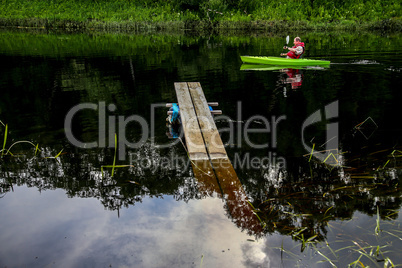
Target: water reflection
<point>218,178</point>
<point>288,75</point>
<point>294,77</point>
<point>298,201</point>
<point>304,195</point>
<point>45,79</point>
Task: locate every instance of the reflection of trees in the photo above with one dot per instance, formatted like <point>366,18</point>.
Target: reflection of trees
<point>300,199</point>
<point>300,196</point>
<point>79,173</point>
<point>305,196</point>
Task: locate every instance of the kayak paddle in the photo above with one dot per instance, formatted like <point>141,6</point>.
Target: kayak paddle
<point>286,45</point>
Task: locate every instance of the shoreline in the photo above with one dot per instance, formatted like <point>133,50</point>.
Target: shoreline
<point>389,25</point>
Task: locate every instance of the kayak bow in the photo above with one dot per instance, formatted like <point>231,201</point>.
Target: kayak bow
<point>283,61</point>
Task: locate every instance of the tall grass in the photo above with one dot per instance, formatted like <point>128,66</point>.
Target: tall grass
<point>207,13</point>
<point>108,11</point>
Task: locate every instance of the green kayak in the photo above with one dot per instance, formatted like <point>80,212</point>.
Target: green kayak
<point>264,67</point>
<point>268,67</point>
<point>283,61</point>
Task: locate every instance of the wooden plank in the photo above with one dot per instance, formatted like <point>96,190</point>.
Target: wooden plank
<point>207,183</point>
<point>237,202</point>
<point>215,174</point>
<point>212,104</point>
<point>209,130</point>
<point>221,181</point>
<point>194,140</point>
<point>212,112</point>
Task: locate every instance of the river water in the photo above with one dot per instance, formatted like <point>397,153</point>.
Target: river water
<point>316,152</point>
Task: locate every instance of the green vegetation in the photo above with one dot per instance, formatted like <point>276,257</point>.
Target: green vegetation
<point>114,159</point>
<point>347,249</point>
<point>5,151</point>
<point>202,14</point>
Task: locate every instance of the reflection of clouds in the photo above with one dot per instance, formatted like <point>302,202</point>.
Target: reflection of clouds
<point>254,255</point>
<point>49,229</point>
<point>37,227</point>
<point>182,234</point>
<point>75,232</point>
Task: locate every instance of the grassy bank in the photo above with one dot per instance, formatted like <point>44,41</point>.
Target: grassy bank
<point>203,14</point>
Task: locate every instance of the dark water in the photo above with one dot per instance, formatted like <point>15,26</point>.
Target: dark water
<point>66,210</point>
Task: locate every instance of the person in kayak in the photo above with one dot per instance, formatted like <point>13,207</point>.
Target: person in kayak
<point>296,51</point>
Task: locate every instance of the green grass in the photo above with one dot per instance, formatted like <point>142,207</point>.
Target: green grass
<point>266,14</point>
<point>85,14</point>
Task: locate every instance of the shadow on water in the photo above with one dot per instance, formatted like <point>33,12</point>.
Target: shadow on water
<point>292,193</point>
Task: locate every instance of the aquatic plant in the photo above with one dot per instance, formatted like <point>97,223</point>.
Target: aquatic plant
<point>5,151</point>
<point>5,139</point>
<point>364,253</point>
<point>114,160</point>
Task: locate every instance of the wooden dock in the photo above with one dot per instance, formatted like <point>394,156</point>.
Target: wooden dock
<point>202,137</point>
<point>211,165</point>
